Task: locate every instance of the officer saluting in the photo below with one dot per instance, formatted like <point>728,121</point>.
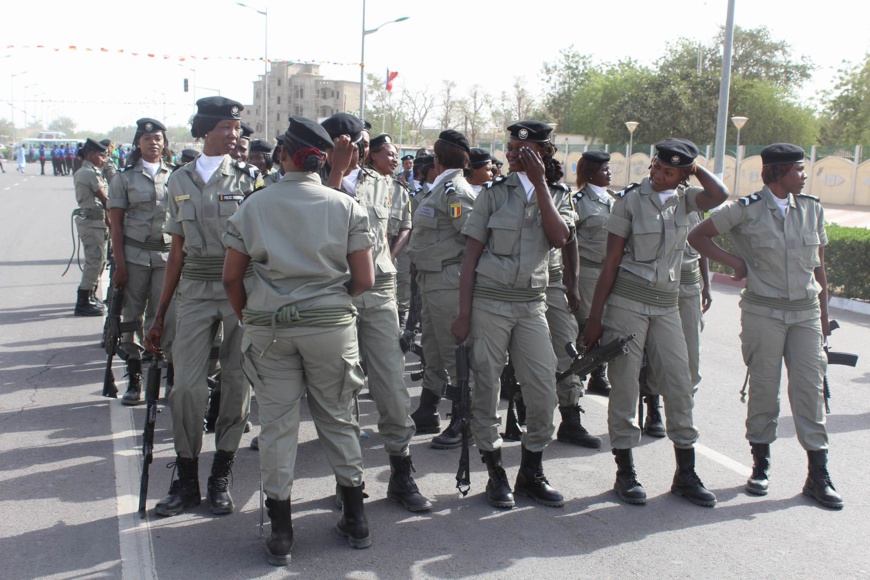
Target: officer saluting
<point>202,196</point>
<point>779,247</point>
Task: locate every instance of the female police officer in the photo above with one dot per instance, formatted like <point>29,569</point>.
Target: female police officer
<point>502,307</point>
<point>139,210</point>
<point>640,282</point>
<point>203,195</point>
<point>779,247</point>
<point>91,195</point>
<point>299,324</point>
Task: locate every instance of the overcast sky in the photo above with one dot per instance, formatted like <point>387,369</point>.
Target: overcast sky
<point>467,41</point>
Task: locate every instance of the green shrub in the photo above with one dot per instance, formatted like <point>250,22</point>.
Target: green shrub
<point>847,261</point>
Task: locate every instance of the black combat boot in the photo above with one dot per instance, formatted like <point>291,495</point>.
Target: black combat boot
<point>653,425</point>
<point>133,396</point>
<point>686,481</point>
<point>819,485</point>
<point>598,382</point>
<point>84,307</point>
<point>353,524</point>
<point>571,431</point>
<point>402,487</point>
<point>498,490</point>
<point>426,417</point>
<point>95,300</point>
<point>218,488</point>
<point>184,491</point>
<point>280,541</point>
<point>212,411</point>
<point>531,481</point>
<point>451,437</point>
<point>758,483</point>
<point>627,487</point>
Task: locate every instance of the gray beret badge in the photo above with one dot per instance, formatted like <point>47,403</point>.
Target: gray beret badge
<point>523,133</point>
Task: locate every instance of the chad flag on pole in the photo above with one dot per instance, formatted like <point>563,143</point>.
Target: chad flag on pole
<point>390,77</point>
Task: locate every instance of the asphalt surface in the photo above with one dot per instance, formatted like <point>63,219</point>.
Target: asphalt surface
<point>69,468</point>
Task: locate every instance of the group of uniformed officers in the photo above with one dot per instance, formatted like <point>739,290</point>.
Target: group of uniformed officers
<point>288,255</point>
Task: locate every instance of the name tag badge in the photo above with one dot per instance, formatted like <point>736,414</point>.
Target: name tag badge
<point>426,211</point>
<point>231,197</point>
<point>181,197</point>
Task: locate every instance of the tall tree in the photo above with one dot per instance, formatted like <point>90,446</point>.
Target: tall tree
<point>473,109</point>
<point>448,104</point>
<point>63,124</point>
<point>846,114</point>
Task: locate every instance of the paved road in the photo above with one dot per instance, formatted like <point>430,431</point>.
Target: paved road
<point>69,468</point>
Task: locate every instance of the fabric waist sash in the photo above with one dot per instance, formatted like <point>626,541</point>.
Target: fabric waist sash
<point>646,294</point>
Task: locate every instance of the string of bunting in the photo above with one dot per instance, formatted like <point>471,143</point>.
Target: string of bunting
<point>178,58</point>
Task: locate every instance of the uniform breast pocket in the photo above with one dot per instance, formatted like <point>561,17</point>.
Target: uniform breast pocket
<point>138,196</point>
<point>381,212</point>
<point>810,253</point>
<point>646,240</point>
<point>590,227</point>
<point>765,254</point>
<point>228,208</point>
<point>502,234</point>
<point>187,219</point>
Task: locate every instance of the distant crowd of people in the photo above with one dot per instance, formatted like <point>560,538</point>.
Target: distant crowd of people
<point>62,158</point>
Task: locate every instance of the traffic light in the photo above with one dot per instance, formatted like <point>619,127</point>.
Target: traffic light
<point>185,85</point>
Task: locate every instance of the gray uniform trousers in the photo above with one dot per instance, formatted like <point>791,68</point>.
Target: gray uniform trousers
<point>378,332</point>
<point>94,240</point>
<point>520,327</point>
<point>193,343</point>
<point>692,322</point>
<point>141,295</point>
<point>563,329</point>
<point>586,285</point>
<point>403,280</point>
<point>325,363</point>
<point>766,342</point>
<point>662,334</point>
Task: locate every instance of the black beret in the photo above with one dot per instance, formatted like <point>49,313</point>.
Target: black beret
<point>366,125</point>
<point>188,155</point>
<point>218,108</point>
<point>532,131</point>
<point>105,142</point>
<point>497,163</point>
<point>260,146</point>
<point>781,153</point>
<point>146,125</point>
<point>422,152</point>
<point>456,139</point>
<point>424,160</point>
<point>411,157</point>
<point>309,133</point>
<point>479,157</point>
<point>596,156</point>
<point>676,152</point>
<point>246,130</point>
<point>381,139</point>
<point>95,146</point>
<point>344,124</point>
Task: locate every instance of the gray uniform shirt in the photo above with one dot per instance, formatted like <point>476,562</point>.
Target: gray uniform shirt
<point>145,201</point>
<point>592,211</point>
<point>88,181</point>
<point>199,211</point>
<point>298,234</point>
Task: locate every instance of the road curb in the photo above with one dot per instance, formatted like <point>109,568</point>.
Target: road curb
<point>848,304</point>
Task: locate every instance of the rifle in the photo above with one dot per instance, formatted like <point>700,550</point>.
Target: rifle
<point>584,364</point>
<point>835,358</point>
<point>463,475</point>
<point>152,394</point>
<point>114,330</point>
<point>516,411</point>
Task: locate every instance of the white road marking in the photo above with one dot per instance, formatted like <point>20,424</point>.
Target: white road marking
<point>134,533</point>
<point>719,458</point>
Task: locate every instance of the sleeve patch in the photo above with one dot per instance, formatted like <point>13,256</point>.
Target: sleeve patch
<point>455,210</point>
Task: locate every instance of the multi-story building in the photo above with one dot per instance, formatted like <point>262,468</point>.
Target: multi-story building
<point>298,89</point>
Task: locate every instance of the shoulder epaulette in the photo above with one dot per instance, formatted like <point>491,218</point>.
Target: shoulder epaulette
<point>631,186</point>
<point>561,186</point>
<point>498,179</point>
<point>749,199</point>
<point>127,168</point>
<point>621,194</point>
<point>808,196</point>
<point>578,196</point>
<point>247,168</point>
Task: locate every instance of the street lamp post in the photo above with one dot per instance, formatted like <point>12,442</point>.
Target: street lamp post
<point>362,57</point>
<point>12,101</point>
<point>265,14</point>
<point>738,122</point>
<point>631,126</point>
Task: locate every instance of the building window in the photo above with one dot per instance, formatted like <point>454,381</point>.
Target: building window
<point>298,110</point>
<point>279,82</point>
<point>278,117</point>
<point>258,112</point>
<point>299,93</point>
<point>279,99</point>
